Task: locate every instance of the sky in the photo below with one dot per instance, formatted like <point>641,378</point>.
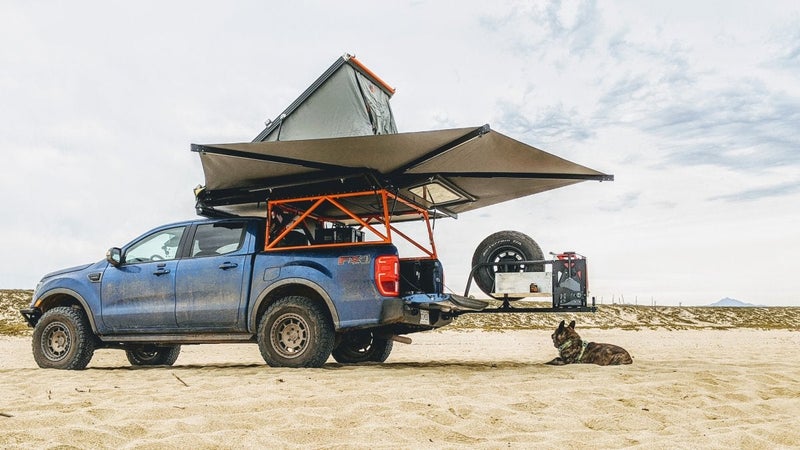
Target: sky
<point>693,106</point>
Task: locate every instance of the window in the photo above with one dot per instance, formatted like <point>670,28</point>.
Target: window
<point>214,239</point>
<point>161,245</point>
<point>437,193</point>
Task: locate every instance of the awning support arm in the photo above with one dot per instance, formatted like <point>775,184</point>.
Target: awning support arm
<point>480,131</point>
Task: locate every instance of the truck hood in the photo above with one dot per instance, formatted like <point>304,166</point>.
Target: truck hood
<point>67,270</point>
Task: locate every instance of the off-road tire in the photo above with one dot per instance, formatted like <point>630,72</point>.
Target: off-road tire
<point>63,339</point>
<point>150,355</point>
<point>361,346</point>
<point>295,332</point>
<point>505,246</point>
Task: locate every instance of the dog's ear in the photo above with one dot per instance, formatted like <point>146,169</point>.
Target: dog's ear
<point>572,324</point>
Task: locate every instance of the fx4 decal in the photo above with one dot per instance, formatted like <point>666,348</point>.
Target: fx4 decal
<point>355,259</point>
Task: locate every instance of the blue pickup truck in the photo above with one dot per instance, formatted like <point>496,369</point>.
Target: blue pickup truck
<point>302,295</point>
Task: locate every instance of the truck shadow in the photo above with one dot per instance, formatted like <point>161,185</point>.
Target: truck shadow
<point>449,364</point>
<point>475,366</point>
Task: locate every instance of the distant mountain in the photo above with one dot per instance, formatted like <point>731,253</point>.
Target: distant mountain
<point>731,302</point>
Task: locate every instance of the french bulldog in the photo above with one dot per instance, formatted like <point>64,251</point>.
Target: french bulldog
<point>572,349</point>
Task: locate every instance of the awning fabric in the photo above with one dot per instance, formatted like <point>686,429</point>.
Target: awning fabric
<point>483,167</point>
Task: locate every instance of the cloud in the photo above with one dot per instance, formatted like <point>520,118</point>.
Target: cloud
<point>786,45</point>
<point>626,201</point>
<point>694,111</point>
<point>552,122</point>
<point>574,22</point>
<point>749,195</point>
<point>734,116</point>
<point>744,126</point>
<point>538,27</point>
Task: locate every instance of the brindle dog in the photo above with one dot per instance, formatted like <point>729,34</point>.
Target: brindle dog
<point>571,349</point>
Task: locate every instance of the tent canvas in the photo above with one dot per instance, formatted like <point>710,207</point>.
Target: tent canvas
<point>446,171</point>
<point>346,100</point>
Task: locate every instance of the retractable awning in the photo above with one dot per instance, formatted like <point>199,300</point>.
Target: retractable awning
<point>447,171</point>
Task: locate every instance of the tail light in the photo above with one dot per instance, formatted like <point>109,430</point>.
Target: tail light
<point>387,275</point>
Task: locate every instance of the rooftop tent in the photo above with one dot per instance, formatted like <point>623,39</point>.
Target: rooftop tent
<point>347,100</point>
<point>446,171</point>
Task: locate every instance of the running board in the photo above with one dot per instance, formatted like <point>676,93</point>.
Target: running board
<point>193,338</point>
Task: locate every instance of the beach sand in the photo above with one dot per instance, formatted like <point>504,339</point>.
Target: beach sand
<point>449,389</point>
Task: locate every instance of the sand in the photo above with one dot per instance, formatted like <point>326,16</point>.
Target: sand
<point>449,389</point>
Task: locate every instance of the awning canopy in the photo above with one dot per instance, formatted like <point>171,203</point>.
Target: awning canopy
<point>447,171</point>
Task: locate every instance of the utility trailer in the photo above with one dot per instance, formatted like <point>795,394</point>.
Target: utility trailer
<point>565,285</point>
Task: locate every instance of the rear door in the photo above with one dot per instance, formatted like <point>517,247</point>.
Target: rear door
<point>210,282</point>
<point>139,294</point>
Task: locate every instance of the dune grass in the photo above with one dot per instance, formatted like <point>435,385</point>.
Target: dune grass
<point>11,321</point>
<point>627,317</point>
<point>642,317</point>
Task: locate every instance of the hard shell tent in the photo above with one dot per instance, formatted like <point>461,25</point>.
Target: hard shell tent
<point>346,100</point>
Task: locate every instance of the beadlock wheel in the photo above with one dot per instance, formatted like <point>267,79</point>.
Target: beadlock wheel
<point>63,339</point>
<point>295,331</point>
<point>289,335</point>
<point>56,341</point>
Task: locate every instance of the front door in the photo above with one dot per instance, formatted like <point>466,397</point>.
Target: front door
<point>139,294</point>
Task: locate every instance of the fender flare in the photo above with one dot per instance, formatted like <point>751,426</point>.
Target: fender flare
<point>43,298</point>
<point>262,297</point>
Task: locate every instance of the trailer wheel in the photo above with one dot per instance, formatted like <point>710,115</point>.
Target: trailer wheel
<point>150,355</point>
<point>63,339</point>
<point>361,346</point>
<point>504,247</point>
<point>295,332</point>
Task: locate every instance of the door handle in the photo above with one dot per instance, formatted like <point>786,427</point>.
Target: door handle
<point>228,265</point>
<point>161,271</point>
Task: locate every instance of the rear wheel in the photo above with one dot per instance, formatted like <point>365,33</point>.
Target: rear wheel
<point>502,249</point>
<point>361,346</point>
<point>295,332</point>
<point>150,355</point>
<point>63,339</point>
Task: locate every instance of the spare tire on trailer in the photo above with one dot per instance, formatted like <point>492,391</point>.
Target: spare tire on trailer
<point>505,246</point>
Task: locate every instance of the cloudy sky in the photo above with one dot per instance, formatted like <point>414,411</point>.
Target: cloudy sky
<point>693,106</point>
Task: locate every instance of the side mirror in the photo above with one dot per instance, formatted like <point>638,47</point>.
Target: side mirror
<point>114,256</point>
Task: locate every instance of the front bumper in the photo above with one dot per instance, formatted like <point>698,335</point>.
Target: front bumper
<point>31,315</point>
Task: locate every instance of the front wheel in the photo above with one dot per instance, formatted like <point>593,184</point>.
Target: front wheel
<point>63,339</point>
<point>361,346</point>
<point>295,332</point>
<point>150,355</point>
